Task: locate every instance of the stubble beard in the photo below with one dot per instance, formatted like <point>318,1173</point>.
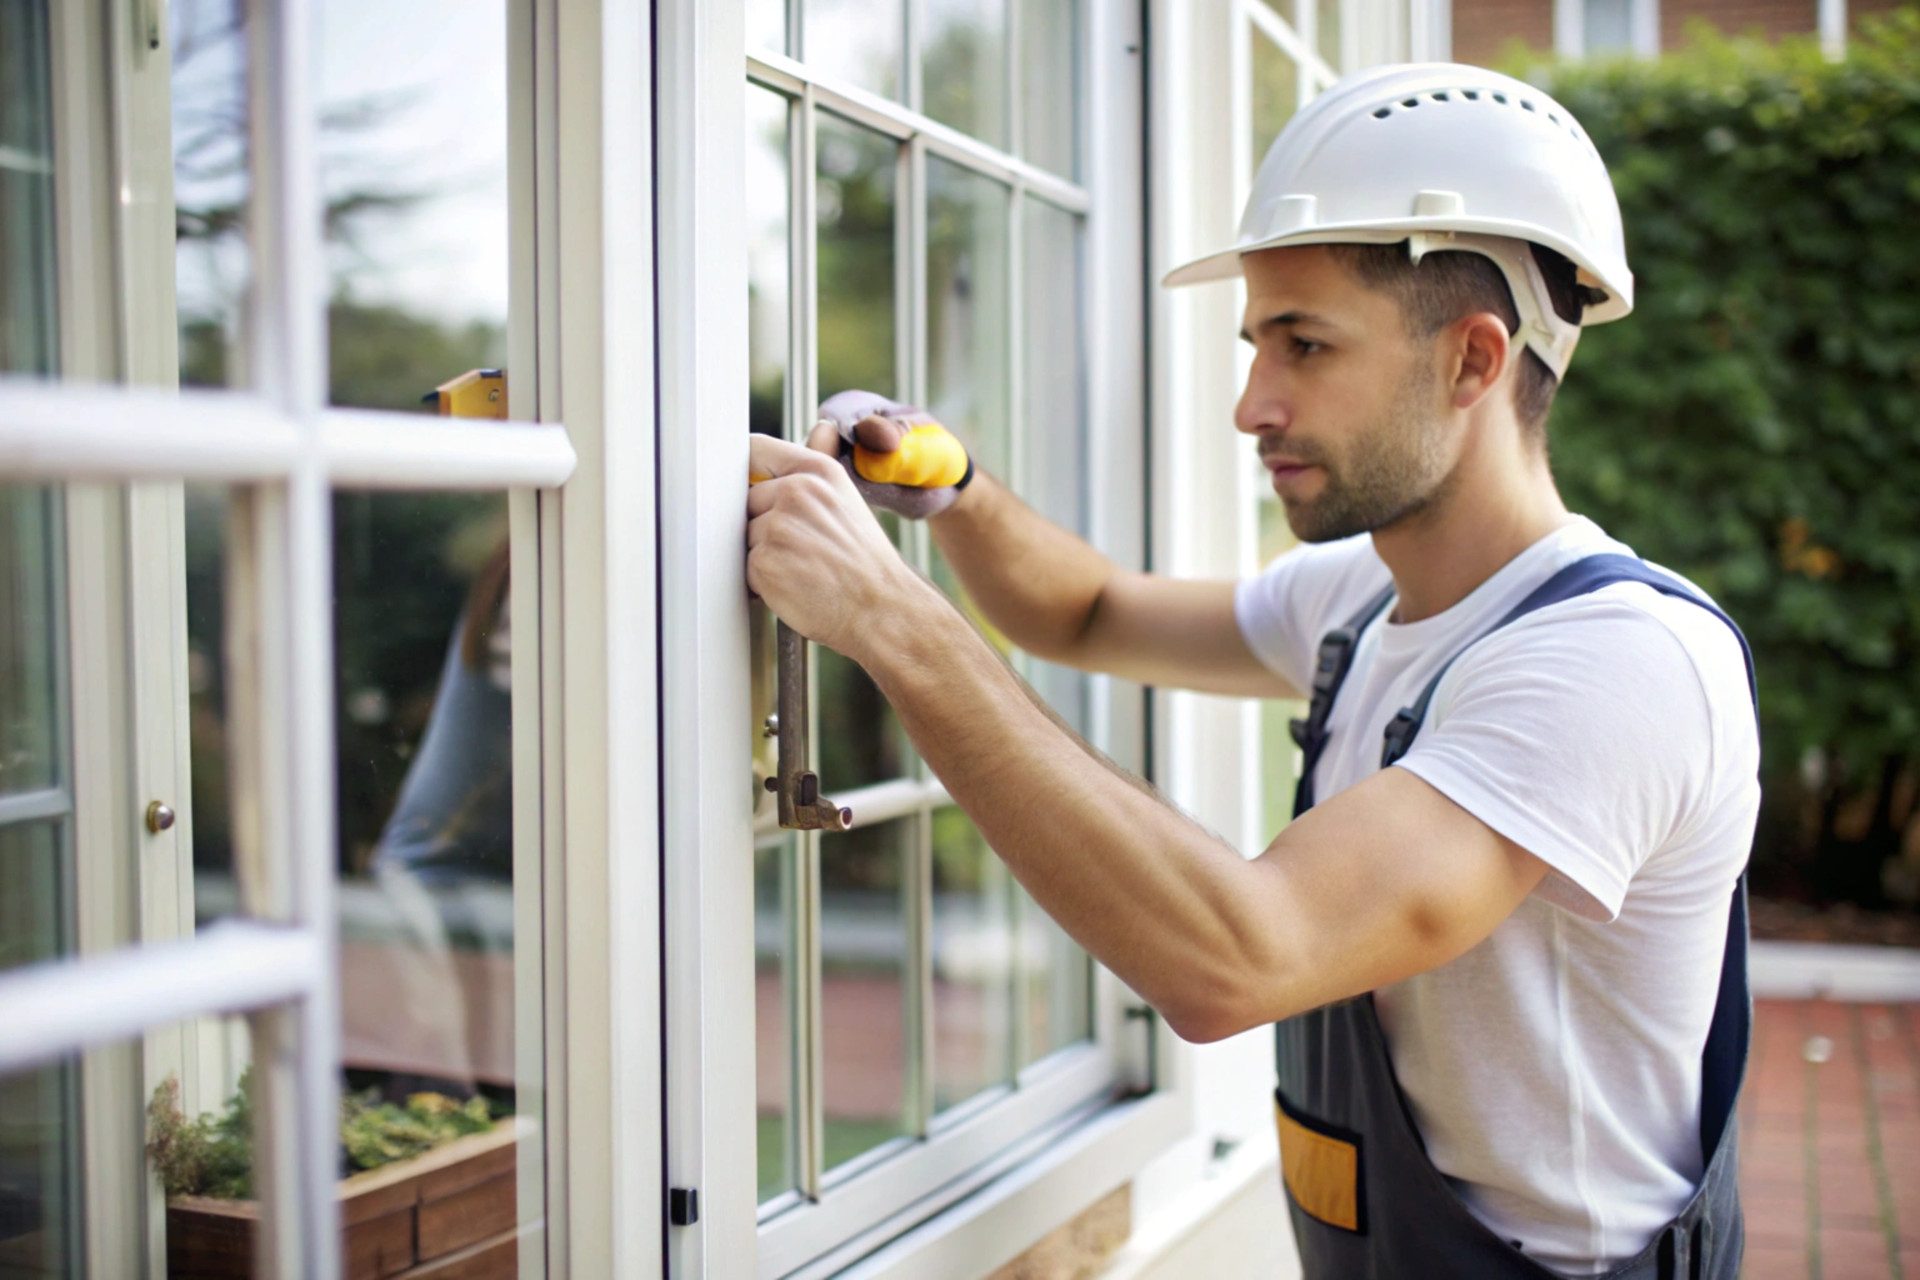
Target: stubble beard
<point>1394,470</point>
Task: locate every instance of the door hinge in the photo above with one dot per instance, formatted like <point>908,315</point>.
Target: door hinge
<point>683,1206</point>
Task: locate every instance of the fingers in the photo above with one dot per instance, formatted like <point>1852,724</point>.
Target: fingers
<point>768,456</point>
<point>824,438</point>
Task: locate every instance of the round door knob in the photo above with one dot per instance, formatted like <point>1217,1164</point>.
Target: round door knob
<point>160,817</point>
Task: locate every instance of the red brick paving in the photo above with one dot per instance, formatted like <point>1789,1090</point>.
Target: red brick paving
<point>1830,1150</point>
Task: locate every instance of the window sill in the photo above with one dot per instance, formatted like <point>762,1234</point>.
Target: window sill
<point>995,1213</point>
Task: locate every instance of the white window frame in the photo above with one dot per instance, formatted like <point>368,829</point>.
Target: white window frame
<point>703,68</point>
<point>283,451</point>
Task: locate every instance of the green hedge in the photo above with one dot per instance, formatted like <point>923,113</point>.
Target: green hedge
<point>1756,422</point>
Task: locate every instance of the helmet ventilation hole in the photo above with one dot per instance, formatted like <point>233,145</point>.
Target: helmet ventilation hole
<point>1500,98</point>
<point>1410,102</point>
<point>1471,95</point>
<point>1383,113</point>
<point>1526,104</point>
<point>1439,97</point>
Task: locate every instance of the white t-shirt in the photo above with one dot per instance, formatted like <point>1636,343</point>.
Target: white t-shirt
<point>1553,1070</point>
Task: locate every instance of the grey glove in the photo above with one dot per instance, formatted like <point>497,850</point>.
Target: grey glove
<point>878,424</point>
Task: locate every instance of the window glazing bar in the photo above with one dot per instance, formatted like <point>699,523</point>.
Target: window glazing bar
<point>58,433</point>
<point>65,1007</point>
<point>371,450</point>
<point>1278,30</point>
<point>296,1054</point>
<point>35,806</point>
<point>886,116</point>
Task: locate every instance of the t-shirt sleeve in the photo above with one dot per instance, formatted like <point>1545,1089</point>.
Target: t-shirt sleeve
<point>1285,609</point>
<point>1583,734</point>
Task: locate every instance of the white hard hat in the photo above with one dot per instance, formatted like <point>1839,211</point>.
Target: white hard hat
<point>1448,157</point>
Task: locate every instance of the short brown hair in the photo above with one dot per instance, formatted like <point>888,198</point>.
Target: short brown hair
<point>1446,285</point>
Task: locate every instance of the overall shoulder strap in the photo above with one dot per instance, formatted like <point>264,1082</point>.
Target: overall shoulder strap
<point>1330,669</point>
<point>1580,578</point>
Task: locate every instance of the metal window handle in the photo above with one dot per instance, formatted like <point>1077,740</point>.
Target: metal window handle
<point>798,790</point>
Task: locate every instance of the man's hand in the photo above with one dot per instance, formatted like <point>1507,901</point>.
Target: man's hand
<point>815,553</point>
<point>877,424</point>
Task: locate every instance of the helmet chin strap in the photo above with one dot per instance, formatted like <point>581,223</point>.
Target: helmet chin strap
<point>1541,330</point>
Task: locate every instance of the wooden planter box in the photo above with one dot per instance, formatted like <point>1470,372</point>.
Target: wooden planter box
<point>445,1214</point>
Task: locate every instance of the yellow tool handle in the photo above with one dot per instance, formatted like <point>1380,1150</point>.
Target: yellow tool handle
<point>929,457</point>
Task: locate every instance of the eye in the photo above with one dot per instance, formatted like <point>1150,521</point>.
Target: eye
<point>1304,346</point>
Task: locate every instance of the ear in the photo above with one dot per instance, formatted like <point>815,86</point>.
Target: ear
<point>1483,350</point>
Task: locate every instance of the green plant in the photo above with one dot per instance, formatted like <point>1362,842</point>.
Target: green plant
<point>1756,423</point>
<point>208,1156</point>
<point>212,1155</point>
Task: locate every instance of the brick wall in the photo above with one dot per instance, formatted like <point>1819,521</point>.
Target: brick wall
<point>1483,28</point>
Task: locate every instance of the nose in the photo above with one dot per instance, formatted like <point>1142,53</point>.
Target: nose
<point>1263,407</point>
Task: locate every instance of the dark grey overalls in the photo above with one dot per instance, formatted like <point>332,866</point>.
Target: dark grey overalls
<point>1365,1200</point>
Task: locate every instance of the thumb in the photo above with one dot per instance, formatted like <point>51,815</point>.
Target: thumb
<point>881,435</point>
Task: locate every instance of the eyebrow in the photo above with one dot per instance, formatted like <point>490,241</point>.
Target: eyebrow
<point>1285,320</point>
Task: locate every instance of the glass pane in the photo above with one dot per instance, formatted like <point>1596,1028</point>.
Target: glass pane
<point>1279,756</point>
<point>27,317</point>
<point>30,714</point>
<point>1608,26</point>
<point>860,739</point>
<point>39,1110</point>
<point>967,346</point>
<point>1054,405</point>
<point>767,25</point>
<point>210,817</point>
<point>768,218</point>
<point>1059,979</point>
<point>1276,93</point>
<point>773,888</point>
<point>861,41</point>
<point>1050,85</point>
<point>212,259</point>
<point>863,986</point>
<point>413,147</point>
<point>972,962</point>
<point>1326,31</point>
<point>964,66</point>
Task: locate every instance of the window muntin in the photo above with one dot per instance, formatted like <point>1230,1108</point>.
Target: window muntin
<point>909,273</point>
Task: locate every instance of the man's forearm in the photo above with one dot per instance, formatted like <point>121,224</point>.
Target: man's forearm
<point>1152,895</point>
<point>1036,582</point>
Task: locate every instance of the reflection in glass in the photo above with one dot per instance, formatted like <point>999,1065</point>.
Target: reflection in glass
<point>964,66</point>
<point>1054,404</point>
<point>27,328</point>
<point>1059,979</point>
<point>773,954</point>
<point>859,41</point>
<point>212,258</point>
<point>972,962</point>
<point>30,718</point>
<point>413,151</point>
<point>768,213</point>
<point>1049,85</point>
<point>863,991</point>
<point>967,342</point>
<point>860,738</point>
<point>1276,94</point>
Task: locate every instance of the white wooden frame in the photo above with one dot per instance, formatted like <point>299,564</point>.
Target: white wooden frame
<point>283,450</point>
<point>710,1031</point>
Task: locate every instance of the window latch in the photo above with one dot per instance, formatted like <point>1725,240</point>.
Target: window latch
<point>798,791</point>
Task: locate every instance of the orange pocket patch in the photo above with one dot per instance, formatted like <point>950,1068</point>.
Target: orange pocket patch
<point>1321,1170</point>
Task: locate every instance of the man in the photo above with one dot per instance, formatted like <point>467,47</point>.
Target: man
<point>1540,905</point>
